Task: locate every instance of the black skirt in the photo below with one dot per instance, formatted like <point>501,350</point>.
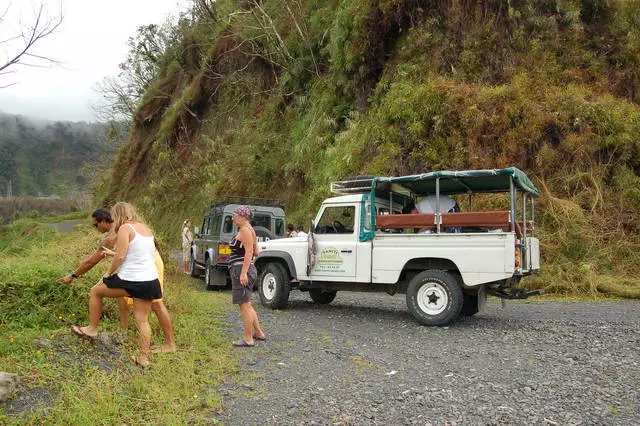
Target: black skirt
<point>147,290</point>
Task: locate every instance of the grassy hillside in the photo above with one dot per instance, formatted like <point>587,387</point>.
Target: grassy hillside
<point>278,98</point>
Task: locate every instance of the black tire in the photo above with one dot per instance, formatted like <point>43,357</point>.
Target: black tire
<point>437,288</point>
<point>263,233</point>
<point>193,266</point>
<point>322,297</point>
<point>208,279</point>
<point>274,286</point>
<point>469,305</point>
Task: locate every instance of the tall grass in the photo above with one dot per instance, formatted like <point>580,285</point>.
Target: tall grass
<point>90,382</point>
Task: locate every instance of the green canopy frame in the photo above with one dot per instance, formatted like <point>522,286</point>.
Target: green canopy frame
<point>450,182</point>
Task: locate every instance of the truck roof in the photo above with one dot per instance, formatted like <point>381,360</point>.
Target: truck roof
<point>464,181</point>
<point>449,182</point>
<point>344,199</point>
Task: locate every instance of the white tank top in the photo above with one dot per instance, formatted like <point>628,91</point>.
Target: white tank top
<point>139,263</point>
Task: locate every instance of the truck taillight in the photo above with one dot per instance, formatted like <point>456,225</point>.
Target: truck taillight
<point>518,254</point>
<point>224,249</point>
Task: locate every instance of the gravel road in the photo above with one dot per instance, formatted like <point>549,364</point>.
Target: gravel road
<point>363,360</point>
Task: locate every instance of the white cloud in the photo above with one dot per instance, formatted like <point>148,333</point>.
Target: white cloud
<point>91,42</point>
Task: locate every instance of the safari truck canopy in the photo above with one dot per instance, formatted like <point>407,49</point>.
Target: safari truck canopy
<point>404,189</point>
<point>463,182</point>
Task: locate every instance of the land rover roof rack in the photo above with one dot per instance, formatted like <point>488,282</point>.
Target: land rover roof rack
<point>354,185</point>
<point>269,202</point>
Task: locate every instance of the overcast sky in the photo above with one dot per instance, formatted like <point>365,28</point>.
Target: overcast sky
<point>90,43</point>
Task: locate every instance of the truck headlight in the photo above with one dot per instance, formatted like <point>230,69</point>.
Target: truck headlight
<point>224,249</point>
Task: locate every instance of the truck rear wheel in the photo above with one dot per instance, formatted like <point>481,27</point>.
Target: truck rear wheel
<point>322,297</point>
<point>274,286</point>
<point>434,298</point>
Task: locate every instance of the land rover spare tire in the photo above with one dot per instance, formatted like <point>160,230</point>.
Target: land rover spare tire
<point>263,233</point>
<point>274,286</point>
<point>434,297</point>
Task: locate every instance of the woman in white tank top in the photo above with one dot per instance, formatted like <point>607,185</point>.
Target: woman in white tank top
<point>132,273</point>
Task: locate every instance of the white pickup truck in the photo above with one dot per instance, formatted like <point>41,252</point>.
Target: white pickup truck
<point>369,239</point>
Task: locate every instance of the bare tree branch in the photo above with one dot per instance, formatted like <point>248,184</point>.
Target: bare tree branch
<point>31,35</point>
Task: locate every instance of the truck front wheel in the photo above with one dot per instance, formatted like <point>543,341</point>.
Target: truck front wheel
<point>274,286</point>
<point>434,298</point>
<point>322,297</point>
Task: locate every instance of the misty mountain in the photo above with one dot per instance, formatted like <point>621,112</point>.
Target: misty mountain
<point>45,158</point>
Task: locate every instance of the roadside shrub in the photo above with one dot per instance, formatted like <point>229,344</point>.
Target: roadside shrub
<point>42,303</point>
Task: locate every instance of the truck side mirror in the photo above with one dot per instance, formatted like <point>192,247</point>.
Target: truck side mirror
<point>196,231</point>
<point>312,227</point>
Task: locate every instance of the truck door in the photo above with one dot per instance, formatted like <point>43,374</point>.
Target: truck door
<point>200,240</point>
<point>335,238</point>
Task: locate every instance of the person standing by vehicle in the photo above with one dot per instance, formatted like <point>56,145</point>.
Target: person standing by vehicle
<point>291,231</point>
<point>244,246</point>
<point>300,232</point>
<point>132,273</point>
<point>187,240</point>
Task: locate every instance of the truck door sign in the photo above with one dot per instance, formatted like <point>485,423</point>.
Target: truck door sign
<point>330,261</point>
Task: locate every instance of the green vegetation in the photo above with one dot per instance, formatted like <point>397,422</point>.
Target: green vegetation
<point>276,99</point>
<point>73,381</point>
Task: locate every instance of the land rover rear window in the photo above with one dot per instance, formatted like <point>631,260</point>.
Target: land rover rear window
<point>228,225</point>
<point>214,225</point>
<point>279,227</point>
<point>262,220</point>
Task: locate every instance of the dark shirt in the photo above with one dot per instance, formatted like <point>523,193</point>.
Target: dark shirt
<point>237,251</point>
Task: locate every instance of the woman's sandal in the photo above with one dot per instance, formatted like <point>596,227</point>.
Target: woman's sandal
<point>262,339</point>
<point>138,360</point>
<point>243,344</point>
<point>77,330</point>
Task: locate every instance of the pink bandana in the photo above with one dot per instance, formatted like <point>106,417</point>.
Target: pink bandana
<point>244,211</point>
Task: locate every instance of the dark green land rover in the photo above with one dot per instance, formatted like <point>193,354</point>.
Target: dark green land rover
<point>210,250</point>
